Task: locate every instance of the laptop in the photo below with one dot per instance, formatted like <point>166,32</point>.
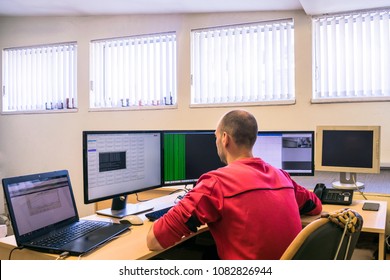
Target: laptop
<point>42,207</point>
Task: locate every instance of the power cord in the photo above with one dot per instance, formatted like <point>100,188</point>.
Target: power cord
<point>16,248</point>
<point>357,188</point>
<point>186,189</point>
<point>63,256</point>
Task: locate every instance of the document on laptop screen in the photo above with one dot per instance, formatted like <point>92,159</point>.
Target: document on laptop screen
<point>45,202</point>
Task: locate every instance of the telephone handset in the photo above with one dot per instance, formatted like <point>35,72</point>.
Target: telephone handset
<point>333,196</point>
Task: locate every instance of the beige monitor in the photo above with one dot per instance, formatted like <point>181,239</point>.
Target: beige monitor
<point>348,150</point>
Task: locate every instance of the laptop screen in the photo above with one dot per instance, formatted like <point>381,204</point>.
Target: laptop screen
<point>41,200</point>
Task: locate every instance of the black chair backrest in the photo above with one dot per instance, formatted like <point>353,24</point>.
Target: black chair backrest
<point>324,242</point>
<point>333,236</point>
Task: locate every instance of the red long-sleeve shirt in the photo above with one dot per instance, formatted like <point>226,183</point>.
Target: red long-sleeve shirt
<point>251,208</point>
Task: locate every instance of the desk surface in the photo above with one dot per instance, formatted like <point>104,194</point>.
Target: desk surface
<point>373,221</point>
<point>132,245</point>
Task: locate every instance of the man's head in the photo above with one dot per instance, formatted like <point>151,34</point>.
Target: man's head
<point>236,134</point>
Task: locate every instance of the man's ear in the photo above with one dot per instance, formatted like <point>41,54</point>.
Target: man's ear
<point>225,139</point>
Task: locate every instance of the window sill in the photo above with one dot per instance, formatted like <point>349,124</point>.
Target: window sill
<point>350,99</point>
<point>132,108</point>
<point>246,104</point>
<point>54,111</point>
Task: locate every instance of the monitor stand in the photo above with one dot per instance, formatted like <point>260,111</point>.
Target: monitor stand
<point>348,183</point>
<point>120,208</point>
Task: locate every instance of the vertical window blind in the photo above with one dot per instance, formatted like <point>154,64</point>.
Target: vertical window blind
<point>351,56</point>
<point>247,63</point>
<point>40,78</point>
<point>134,71</point>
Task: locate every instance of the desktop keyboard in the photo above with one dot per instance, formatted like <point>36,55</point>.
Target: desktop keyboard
<point>154,215</point>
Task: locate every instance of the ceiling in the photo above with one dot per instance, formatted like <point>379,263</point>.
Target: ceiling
<point>116,7</point>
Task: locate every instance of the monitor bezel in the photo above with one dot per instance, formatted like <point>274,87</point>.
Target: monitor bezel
<point>348,169</point>
<point>87,199</point>
<point>312,133</point>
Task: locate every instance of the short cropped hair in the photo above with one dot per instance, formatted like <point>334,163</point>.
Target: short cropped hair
<point>241,126</point>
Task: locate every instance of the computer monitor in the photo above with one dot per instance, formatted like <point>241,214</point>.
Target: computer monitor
<point>118,163</point>
<point>348,150</point>
<point>187,155</point>
<point>292,151</point>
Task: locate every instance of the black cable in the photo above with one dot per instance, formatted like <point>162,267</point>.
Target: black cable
<point>178,190</point>
<point>16,248</point>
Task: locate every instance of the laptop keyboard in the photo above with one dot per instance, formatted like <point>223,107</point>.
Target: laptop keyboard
<point>64,236</point>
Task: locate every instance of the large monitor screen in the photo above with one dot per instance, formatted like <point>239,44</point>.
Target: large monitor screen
<point>348,150</point>
<point>187,155</point>
<point>118,163</point>
<point>292,151</point>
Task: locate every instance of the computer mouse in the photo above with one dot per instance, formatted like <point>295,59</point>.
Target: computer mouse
<point>132,220</point>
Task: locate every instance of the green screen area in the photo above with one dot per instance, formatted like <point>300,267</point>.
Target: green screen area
<point>174,157</point>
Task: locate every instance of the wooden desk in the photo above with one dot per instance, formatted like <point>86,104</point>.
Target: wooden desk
<point>373,221</point>
<point>132,245</point>
<point>128,246</point>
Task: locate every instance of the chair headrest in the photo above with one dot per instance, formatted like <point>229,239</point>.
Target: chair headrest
<point>346,218</point>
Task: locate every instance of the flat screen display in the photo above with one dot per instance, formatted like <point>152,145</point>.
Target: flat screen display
<point>188,154</point>
<point>118,163</point>
<point>348,149</point>
<point>292,151</point>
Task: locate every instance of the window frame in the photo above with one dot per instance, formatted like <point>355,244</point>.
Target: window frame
<point>319,96</point>
<point>68,96</point>
<point>123,103</point>
<point>262,25</point>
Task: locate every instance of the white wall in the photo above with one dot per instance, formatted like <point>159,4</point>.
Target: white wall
<point>43,142</point>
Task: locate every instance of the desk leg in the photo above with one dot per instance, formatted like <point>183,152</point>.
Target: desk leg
<point>381,247</point>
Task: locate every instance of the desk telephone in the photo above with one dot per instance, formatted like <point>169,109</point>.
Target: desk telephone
<point>333,196</point>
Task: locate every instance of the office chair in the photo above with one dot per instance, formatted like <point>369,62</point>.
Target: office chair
<point>331,237</point>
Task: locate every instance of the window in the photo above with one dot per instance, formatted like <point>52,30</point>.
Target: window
<point>40,78</point>
<point>248,63</point>
<point>351,59</point>
<point>134,72</point>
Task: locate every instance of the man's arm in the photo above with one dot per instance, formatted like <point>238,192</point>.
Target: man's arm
<point>152,241</point>
<point>308,202</point>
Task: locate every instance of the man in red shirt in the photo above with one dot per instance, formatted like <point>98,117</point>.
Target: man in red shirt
<point>251,208</point>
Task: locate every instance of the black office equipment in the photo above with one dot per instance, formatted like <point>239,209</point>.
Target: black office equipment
<point>190,153</point>
<point>187,155</point>
<point>156,214</point>
<point>119,163</point>
<point>333,196</point>
<point>44,216</point>
<point>371,206</point>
